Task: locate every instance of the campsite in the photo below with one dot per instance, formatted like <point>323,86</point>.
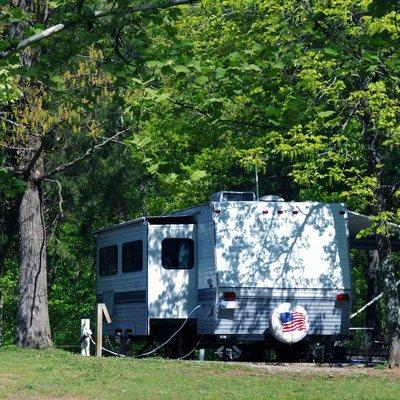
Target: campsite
<point>199,198</point>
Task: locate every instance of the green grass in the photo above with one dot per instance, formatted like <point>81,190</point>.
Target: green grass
<point>52,374</point>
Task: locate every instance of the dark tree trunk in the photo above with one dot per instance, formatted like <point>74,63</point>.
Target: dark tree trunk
<point>391,299</point>
<point>1,319</point>
<point>33,327</point>
<point>379,164</point>
<point>371,313</point>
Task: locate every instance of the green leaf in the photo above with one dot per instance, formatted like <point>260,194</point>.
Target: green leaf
<point>220,73</point>
<point>327,113</point>
<point>330,51</point>
<point>251,67</point>
<point>153,168</point>
<point>196,65</point>
<point>197,175</point>
<point>181,69</point>
<point>278,65</point>
<point>162,97</point>
<point>201,80</point>
<point>154,64</point>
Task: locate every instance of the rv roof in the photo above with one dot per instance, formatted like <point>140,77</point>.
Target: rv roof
<point>152,220</point>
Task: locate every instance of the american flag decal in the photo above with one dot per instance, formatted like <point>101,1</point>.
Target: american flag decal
<point>293,321</point>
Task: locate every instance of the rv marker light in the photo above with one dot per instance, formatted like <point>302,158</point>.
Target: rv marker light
<point>217,211</point>
<point>265,212</point>
<point>342,297</point>
<point>280,211</point>
<point>295,212</point>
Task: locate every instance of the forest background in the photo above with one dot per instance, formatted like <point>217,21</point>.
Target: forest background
<point>142,113</point>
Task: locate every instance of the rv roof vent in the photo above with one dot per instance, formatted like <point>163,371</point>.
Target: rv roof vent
<point>233,196</point>
<point>271,197</point>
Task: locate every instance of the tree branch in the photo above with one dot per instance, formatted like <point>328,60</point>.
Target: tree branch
<point>12,170</point>
<point>60,198</point>
<point>40,149</point>
<point>38,37</point>
<point>88,152</point>
<point>205,114</point>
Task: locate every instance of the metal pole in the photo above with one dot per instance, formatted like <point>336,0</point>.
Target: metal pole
<point>257,191</point>
<point>371,302</point>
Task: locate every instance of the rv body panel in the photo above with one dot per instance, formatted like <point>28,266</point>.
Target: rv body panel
<point>206,270</point>
<point>281,245</point>
<point>171,291</point>
<point>270,253</point>
<point>326,315</point>
<point>125,294</point>
<point>266,252</point>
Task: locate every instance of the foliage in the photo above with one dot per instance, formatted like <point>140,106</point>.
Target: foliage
<point>299,90</point>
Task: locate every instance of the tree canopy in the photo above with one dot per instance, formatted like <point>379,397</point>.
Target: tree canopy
<point>135,108</point>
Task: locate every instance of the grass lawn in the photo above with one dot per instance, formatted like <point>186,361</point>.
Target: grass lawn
<point>55,374</point>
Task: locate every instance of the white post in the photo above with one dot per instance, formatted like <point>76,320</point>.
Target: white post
<point>202,354</point>
<point>85,339</point>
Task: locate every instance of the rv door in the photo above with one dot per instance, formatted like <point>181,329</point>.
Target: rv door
<point>172,270</point>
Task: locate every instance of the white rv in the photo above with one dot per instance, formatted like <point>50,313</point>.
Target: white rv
<point>241,260</point>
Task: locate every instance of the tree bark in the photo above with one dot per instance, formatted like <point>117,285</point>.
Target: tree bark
<point>1,319</point>
<point>391,296</point>
<point>33,326</point>
<point>379,162</point>
<point>371,313</point>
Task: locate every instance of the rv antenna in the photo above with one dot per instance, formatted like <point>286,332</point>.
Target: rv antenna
<point>257,191</point>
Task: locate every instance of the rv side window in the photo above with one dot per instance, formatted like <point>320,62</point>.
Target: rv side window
<point>132,256</point>
<point>177,253</point>
<point>108,260</point>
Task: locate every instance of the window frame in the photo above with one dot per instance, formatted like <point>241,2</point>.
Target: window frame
<point>101,271</point>
<point>192,258</point>
<point>124,271</point>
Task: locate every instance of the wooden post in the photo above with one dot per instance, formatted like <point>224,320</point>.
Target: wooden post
<point>101,310</point>
<point>85,339</point>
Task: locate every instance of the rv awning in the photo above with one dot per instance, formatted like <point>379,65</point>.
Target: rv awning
<point>356,223</point>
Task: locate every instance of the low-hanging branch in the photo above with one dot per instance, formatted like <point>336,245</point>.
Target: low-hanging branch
<point>88,152</point>
<point>38,37</point>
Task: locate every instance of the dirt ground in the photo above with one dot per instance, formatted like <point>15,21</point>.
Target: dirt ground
<point>329,369</point>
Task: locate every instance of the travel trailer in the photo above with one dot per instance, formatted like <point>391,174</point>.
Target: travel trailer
<point>236,270</point>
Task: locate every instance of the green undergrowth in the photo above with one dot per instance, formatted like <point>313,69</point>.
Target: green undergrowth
<point>56,374</point>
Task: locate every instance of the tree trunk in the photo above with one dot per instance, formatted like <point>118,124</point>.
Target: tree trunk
<point>391,299</point>
<point>33,327</point>
<point>371,313</point>
<point>379,161</point>
<point>1,319</point>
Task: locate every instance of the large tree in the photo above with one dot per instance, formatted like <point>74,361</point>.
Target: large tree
<point>307,90</point>
<point>34,124</point>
